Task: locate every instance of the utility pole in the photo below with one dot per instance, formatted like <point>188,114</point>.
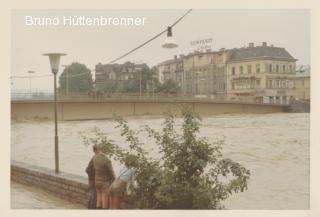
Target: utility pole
<point>30,77</point>
<point>67,79</point>
<point>54,59</point>
<point>140,83</point>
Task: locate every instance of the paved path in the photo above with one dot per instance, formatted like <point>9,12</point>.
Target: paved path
<point>26,197</point>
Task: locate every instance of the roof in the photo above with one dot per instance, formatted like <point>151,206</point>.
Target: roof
<point>266,52</point>
<point>303,71</point>
<point>166,62</point>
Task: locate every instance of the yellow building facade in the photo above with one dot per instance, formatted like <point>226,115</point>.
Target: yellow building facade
<point>260,74</point>
<point>302,84</point>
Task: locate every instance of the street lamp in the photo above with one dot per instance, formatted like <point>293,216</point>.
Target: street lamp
<point>140,83</point>
<point>30,77</point>
<point>54,59</point>
<point>153,78</point>
<point>196,87</point>
<point>169,41</point>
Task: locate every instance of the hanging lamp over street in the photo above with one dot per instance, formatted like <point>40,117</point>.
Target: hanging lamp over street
<point>169,41</point>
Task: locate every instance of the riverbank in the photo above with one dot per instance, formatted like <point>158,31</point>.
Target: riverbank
<point>274,147</point>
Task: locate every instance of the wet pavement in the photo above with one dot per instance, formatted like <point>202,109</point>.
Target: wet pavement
<point>27,197</point>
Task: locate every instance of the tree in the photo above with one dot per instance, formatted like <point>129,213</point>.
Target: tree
<point>169,86</point>
<point>131,85</point>
<point>190,174</point>
<point>79,79</point>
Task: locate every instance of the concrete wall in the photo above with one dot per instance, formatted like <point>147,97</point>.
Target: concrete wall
<point>66,186</point>
<point>86,110</point>
<point>299,106</point>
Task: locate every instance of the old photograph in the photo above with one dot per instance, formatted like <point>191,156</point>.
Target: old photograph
<point>202,109</point>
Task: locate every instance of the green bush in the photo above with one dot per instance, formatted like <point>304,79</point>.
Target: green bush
<point>191,173</point>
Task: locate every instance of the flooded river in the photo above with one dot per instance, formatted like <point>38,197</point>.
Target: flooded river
<point>274,147</point>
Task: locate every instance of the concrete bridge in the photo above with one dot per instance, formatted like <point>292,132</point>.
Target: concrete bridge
<point>104,109</point>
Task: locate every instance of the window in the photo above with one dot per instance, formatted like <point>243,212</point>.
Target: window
<point>284,68</point>
<point>257,83</point>
<point>258,68</point>
<point>249,69</point>
<point>277,68</point>
<point>290,68</point>
<point>241,69</point>
<point>251,84</point>
<point>270,68</point>
<point>233,70</point>
<point>277,83</point>
<point>302,83</point>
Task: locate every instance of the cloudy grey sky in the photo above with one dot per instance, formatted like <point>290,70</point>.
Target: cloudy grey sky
<point>90,45</point>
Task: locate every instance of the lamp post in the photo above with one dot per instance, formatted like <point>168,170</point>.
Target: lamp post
<point>139,69</point>
<point>54,59</point>
<point>30,77</point>
<point>140,83</point>
<point>153,77</point>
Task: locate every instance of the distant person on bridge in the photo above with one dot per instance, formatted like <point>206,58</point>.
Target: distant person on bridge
<point>92,194</point>
<point>104,176</point>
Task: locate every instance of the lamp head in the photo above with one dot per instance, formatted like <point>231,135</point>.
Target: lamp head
<point>54,59</point>
<point>169,41</point>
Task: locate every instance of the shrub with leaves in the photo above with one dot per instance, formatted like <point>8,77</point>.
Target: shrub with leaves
<point>191,173</point>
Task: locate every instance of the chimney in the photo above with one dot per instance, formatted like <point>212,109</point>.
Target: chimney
<point>264,44</point>
<point>251,44</point>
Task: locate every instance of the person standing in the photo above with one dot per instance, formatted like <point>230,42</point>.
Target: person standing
<point>118,188</point>
<point>92,195</point>
<point>104,176</point>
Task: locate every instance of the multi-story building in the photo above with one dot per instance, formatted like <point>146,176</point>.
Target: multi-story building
<point>105,73</point>
<point>204,73</point>
<point>198,73</point>
<point>302,83</point>
<point>261,74</point>
<point>171,70</point>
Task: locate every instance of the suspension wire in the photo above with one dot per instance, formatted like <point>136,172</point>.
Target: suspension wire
<point>154,37</point>
<point>34,76</point>
<point>75,75</point>
<point>64,75</point>
<point>122,56</point>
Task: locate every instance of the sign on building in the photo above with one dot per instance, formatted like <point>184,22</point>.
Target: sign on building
<point>202,44</point>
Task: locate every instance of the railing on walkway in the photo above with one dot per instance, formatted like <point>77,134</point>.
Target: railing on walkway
<point>101,96</point>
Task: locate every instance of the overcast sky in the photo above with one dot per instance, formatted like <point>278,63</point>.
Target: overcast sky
<point>90,45</point>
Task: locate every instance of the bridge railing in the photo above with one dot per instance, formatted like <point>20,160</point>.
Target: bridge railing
<point>100,96</point>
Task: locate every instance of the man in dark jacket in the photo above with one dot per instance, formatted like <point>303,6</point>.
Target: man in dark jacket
<point>104,176</point>
<point>92,194</point>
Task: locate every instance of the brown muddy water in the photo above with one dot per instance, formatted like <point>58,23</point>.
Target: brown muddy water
<point>274,147</point>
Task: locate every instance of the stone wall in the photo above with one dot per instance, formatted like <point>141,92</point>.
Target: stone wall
<point>91,110</point>
<point>299,106</point>
<point>64,185</point>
